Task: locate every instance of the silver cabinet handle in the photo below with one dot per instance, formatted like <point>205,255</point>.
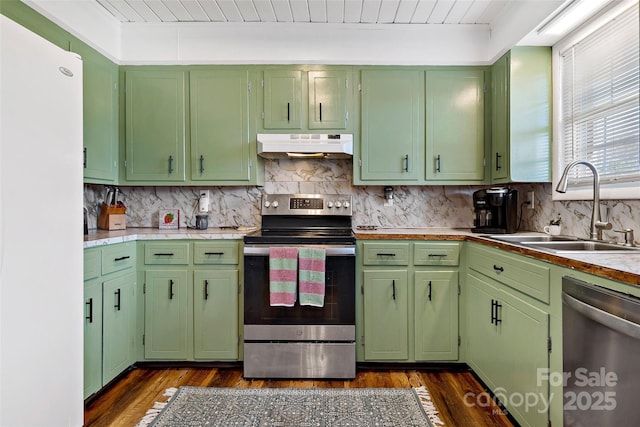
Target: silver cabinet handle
<point>201,164</point>
<point>438,163</point>
<point>170,164</point>
<point>406,163</point>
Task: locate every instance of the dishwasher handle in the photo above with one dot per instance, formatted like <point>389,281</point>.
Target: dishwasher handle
<point>609,320</point>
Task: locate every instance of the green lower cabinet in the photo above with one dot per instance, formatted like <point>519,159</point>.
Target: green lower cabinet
<point>386,326</point>
<point>508,348</point>
<point>166,314</point>
<point>215,314</point>
<point>92,337</point>
<point>436,315</point>
<point>119,324</point>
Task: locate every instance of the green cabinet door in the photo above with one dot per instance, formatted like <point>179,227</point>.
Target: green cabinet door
<point>155,125</point>
<point>522,115</point>
<point>119,322</point>
<point>166,314</point>
<point>100,115</point>
<point>500,118</point>
<point>92,337</point>
<point>455,124</point>
<point>215,314</point>
<point>386,323</point>
<point>392,135</point>
<point>436,315</point>
<point>508,347</point>
<point>328,97</point>
<point>282,107</point>
<point>483,352</point>
<point>219,125</point>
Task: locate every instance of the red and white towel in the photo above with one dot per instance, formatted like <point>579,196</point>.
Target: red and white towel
<point>311,276</point>
<point>283,276</point>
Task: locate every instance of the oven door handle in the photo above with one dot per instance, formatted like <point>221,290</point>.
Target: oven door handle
<point>337,251</point>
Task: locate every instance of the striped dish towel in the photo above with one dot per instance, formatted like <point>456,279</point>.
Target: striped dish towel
<point>311,276</point>
<point>283,272</point>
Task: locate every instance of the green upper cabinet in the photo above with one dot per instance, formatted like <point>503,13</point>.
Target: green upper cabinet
<point>328,96</point>
<point>392,127</point>
<point>455,128</point>
<point>282,99</point>
<point>288,91</point>
<point>219,101</point>
<point>100,113</point>
<point>521,116</point>
<point>155,125</point>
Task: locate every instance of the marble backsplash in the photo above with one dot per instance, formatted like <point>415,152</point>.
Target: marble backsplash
<point>413,206</point>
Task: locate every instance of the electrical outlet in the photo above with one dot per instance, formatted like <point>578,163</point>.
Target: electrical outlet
<point>203,202</point>
<point>531,198</point>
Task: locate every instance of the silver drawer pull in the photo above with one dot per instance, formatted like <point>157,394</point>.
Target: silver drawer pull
<point>386,254</point>
<point>214,253</point>
<point>437,255</point>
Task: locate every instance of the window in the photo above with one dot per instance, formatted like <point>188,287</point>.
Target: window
<point>597,107</point>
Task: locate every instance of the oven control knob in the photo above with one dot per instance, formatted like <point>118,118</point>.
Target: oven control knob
<point>345,204</point>
<point>267,203</point>
<point>329,204</point>
<point>274,203</point>
<point>338,204</point>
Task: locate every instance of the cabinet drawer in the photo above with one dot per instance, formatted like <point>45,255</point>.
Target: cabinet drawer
<point>528,277</point>
<point>385,253</point>
<point>215,253</point>
<point>92,265</point>
<point>436,253</point>
<point>118,257</point>
<point>174,253</point>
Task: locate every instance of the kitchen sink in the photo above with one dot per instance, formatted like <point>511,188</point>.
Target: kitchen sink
<point>532,238</point>
<point>564,244</point>
<point>581,246</point>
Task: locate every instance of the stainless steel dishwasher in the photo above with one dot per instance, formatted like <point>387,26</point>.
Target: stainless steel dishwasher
<point>601,356</point>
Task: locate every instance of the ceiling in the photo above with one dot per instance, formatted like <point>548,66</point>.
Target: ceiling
<point>477,12</point>
<point>384,32</point>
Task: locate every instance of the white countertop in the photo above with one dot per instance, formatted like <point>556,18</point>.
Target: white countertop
<point>103,237</point>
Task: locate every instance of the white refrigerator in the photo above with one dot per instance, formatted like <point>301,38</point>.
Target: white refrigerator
<point>41,255</point>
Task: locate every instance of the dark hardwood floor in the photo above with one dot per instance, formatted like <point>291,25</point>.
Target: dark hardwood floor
<point>126,401</point>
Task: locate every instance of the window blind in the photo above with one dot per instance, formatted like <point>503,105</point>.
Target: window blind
<point>600,102</point>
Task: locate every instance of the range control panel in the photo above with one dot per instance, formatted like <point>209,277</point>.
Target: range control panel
<point>307,204</point>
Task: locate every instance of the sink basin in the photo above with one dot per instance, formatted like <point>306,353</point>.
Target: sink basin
<point>580,246</point>
<point>563,244</point>
<point>532,238</point>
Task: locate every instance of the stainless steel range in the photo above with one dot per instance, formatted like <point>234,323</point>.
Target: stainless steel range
<point>301,341</point>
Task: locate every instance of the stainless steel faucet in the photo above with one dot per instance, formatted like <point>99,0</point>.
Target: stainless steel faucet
<point>596,223</point>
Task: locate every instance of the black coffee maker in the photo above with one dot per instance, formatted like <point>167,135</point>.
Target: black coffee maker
<point>496,211</point>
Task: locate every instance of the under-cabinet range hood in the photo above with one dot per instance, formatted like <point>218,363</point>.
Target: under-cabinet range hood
<point>319,146</point>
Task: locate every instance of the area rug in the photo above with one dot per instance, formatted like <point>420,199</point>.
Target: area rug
<point>253,407</point>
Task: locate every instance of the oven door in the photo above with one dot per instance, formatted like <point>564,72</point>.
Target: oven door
<point>339,303</point>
